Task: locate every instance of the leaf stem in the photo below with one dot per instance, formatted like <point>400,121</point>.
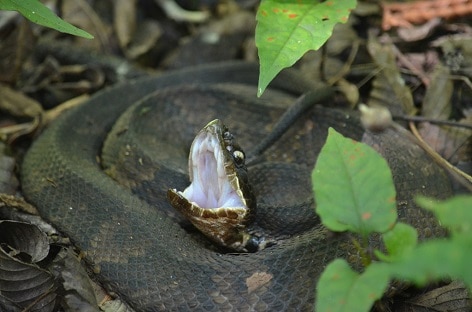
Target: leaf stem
<point>362,247</point>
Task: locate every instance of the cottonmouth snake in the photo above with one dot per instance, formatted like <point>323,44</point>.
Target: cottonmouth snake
<point>154,261</point>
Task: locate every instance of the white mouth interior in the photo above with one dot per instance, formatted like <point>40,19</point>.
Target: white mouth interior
<point>210,187</point>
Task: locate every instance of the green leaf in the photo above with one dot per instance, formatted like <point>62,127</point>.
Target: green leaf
<point>39,14</point>
<point>442,258</point>
<point>353,187</point>
<point>287,29</point>
<point>454,213</point>
<point>399,242</point>
<point>342,289</point>
<point>436,260</point>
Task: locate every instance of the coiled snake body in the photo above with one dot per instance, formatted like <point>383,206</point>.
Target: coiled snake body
<point>149,256</point>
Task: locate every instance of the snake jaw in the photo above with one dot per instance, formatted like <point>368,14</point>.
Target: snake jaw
<point>218,201</point>
<point>209,164</point>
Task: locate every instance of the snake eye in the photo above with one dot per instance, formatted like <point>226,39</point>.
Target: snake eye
<point>227,136</point>
<point>239,157</point>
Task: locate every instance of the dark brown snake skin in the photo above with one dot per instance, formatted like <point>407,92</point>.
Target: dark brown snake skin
<point>156,263</point>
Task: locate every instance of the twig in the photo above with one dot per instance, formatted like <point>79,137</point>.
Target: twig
<point>433,121</point>
<point>462,177</point>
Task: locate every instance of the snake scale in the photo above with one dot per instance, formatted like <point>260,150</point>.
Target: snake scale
<point>144,251</point>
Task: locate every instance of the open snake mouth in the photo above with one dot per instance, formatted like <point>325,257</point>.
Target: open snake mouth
<point>213,183</point>
<point>218,200</point>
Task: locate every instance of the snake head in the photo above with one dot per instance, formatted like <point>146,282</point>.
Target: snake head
<point>219,201</point>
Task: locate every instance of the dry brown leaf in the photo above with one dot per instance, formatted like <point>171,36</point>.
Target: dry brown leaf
<point>389,89</point>
<point>437,100</point>
<point>145,39</point>
<point>18,104</point>
<point>8,181</point>
<point>81,14</point>
<point>399,14</point>
<point>18,203</point>
<point>23,246</point>
<point>452,143</point>
<point>124,21</point>
<point>15,47</point>
<point>174,11</point>
<point>453,297</point>
<point>418,32</point>
<point>53,113</point>
<point>237,22</point>
<point>80,293</point>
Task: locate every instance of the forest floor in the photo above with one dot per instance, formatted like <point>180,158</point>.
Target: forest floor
<point>413,57</point>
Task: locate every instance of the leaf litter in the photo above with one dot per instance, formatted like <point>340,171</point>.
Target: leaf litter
<point>428,71</point>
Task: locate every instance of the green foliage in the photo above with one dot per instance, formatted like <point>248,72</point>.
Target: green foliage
<point>287,29</point>
<point>398,242</point>
<point>435,260</point>
<point>342,289</point>
<point>353,200</point>
<point>440,258</point>
<point>41,15</point>
<point>454,214</point>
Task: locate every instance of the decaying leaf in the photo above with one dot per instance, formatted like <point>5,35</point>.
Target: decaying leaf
<point>81,13</point>
<point>20,239</point>
<point>73,278</point>
<point>54,83</point>
<point>453,297</point>
<point>23,283</point>
<point>419,32</point>
<point>15,46</point>
<point>388,88</point>
<point>144,40</point>
<point>437,100</point>
<point>18,203</point>
<point>28,280</point>
<point>17,104</point>
<point>174,11</point>
<point>124,20</point>
<point>452,143</point>
<point>8,180</point>
<point>219,40</point>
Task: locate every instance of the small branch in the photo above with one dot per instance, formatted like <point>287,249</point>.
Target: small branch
<point>433,121</point>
